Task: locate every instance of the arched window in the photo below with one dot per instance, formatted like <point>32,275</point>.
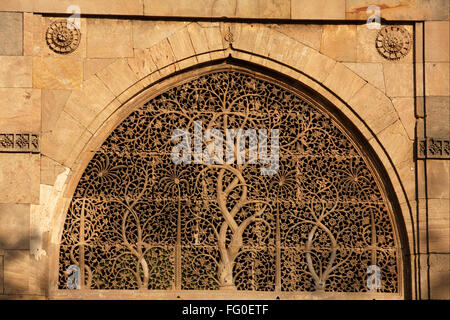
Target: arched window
<point>317,222</point>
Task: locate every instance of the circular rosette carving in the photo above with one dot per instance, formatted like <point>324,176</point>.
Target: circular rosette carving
<point>393,42</point>
<point>63,37</point>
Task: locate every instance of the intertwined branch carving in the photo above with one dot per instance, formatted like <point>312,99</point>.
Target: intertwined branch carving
<point>139,221</point>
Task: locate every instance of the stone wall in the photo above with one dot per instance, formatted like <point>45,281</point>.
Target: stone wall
<point>55,107</point>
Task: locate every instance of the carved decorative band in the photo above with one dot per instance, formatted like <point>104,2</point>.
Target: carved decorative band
<point>19,142</point>
<point>434,148</point>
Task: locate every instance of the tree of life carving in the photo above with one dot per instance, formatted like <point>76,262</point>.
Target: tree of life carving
<point>139,221</point>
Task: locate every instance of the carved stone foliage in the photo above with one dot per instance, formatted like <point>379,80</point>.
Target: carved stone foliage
<point>393,42</point>
<point>19,142</point>
<point>434,148</point>
<point>63,37</point>
<point>139,221</point>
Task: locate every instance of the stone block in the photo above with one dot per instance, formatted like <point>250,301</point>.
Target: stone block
<point>53,102</point>
<point>92,66</point>
<point>16,271</point>
<point>57,73</point>
<point>15,72</point>
<point>371,72</point>
<point>318,10</point>
<point>117,77</point>
<point>19,178</point>
<point>142,64</point>
<point>308,34</point>
<point>58,143</point>
<point>87,104</point>
<point>11,33</point>
<point>438,117</point>
<point>437,79</point>
<point>342,75</point>
<point>270,9</point>
<point>20,110</point>
<point>437,41</point>
<point>438,225</point>
<point>399,79</point>
<point>50,170</point>
<point>397,143</point>
<point>148,33</point>
<point>199,41</point>
<point>438,175</point>
<point>14,226</point>
<point>374,108</point>
<point>405,110</point>
<point>162,56</point>
<point>339,42</point>
<point>440,276</point>
<point>109,38</point>
<point>399,10</point>
<point>181,45</point>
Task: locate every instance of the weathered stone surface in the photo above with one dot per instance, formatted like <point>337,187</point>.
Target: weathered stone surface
<point>319,9</point>
<point>199,41</point>
<point>111,7</point>
<point>57,73</point>
<point>15,217</point>
<point>20,110</point>
<point>339,42</point>
<point>438,225</point>
<point>181,45</point>
<point>371,72</point>
<point>53,102</point>
<point>17,269</point>
<point>437,79</point>
<point>374,108</point>
<point>308,34</point>
<point>118,76</point>
<point>92,66</point>
<point>15,72</point>
<point>438,173</point>
<point>405,110</point>
<point>58,143</point>
<point>19,178</point>
<point>396,142</point>
<point>85,105</point>
<point>50,170</point>
<point>148,33</point>
<point>399,79</point>
<point>275,9</point>
<point>209,8</point>
<point>437,41</point>
<point>11,33</point>
<point>28,26</point>
<point>341,74</point>
<point>162,56</point>
<point>109,38</point>
<point>438,117</point>
<point>399,10</point>
<point>440,276</point>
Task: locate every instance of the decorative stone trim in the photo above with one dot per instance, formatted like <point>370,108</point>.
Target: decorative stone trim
<point>63,37</point>
<point>436,148</point>
<point>19,142</point>
<point>393,42</point>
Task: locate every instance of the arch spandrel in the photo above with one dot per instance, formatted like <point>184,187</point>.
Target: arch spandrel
<point>314,226</point>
